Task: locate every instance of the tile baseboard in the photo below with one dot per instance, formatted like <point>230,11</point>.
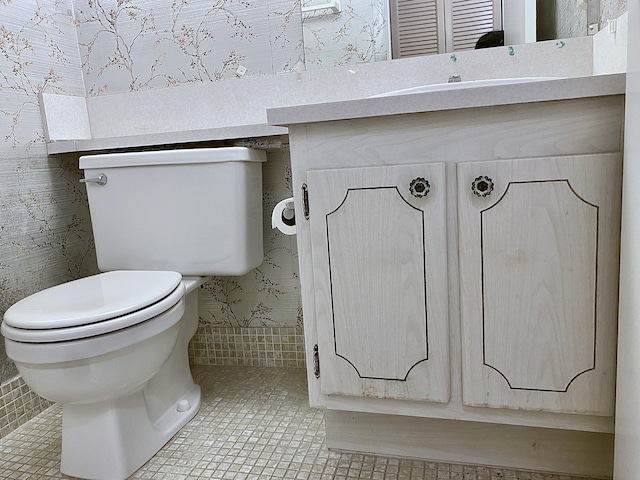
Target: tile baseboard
<point>248,346</point>
<point>211,345</point>
<point>18,405</point>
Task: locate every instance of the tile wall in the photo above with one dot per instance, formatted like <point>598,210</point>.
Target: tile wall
<point>255,346</point>
<point>18,404</point>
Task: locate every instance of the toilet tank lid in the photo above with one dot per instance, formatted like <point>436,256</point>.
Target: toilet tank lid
<point>173,157</point>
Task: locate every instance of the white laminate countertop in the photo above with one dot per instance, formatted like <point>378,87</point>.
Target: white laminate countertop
<point>166,138</point>
<point>458,98</point>
<point>274,121</point>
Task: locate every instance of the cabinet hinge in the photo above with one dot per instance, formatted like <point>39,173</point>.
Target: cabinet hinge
<point>305,201</point>
<point>316,361</point>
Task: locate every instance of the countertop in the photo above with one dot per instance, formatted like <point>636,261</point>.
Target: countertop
<point>458,98</point>
<point>277,119</point>
<point>165,138</point>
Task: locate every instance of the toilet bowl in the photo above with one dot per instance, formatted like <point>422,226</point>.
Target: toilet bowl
<point>59,337</point>
<point>113,348</point>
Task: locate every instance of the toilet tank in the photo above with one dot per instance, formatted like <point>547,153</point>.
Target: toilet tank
<point>193,211</point>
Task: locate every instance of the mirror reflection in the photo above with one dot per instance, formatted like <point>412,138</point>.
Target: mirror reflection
<point>343,32</point>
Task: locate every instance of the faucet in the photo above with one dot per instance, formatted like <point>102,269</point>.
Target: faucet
<point>454,79</point>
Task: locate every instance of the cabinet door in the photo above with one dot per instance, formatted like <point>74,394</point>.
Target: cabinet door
<point>380,280</point>
<point>539,280</point>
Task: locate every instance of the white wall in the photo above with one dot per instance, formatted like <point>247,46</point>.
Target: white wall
<point>519,22</point>
<point>627,444</point>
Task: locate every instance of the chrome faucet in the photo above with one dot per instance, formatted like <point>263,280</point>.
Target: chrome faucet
<point>455,78</point>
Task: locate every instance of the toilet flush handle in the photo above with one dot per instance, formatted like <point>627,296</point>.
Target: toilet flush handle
<point>100,179</point>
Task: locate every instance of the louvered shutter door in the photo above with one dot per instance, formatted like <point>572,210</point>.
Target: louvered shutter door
<point>418,26</point>
<point>415,27</point>
<point>470,19</point>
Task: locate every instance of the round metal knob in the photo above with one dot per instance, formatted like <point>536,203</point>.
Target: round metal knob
<point>482,186</point>
<point>419,187</point>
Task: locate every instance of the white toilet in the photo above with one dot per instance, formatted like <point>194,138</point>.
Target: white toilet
<point>112,348</point>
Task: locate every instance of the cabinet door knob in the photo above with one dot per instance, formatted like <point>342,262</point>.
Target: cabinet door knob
<point>482,186</point>
<point>419,187</point>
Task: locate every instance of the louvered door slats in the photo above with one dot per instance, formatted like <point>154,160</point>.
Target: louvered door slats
<point>470,19</point>
<point>419,26</point>
<point>416,28</point>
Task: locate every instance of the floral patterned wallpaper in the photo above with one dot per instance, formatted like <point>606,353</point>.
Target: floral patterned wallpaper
<point>610,9</point>
<point>269,296</point>
<point>572,21</point>
<point>128,45</point>
<point>118,46</point>
<point>45,233</point>
<point>135,44</point>
<point>358,34</point>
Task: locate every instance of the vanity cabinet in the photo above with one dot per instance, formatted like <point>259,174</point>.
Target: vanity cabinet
<point>459,269</point>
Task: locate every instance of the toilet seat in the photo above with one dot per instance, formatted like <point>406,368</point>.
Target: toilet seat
<point>92,306</point>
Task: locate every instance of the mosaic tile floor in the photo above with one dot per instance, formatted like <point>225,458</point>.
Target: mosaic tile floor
<point>254,423</point>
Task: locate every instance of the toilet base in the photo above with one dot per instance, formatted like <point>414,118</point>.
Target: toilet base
<point>110,440</point>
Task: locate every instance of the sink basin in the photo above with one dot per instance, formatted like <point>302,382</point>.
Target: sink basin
<point>458,85</point>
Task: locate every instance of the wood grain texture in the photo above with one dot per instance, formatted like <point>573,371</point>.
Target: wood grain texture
<point>539,263</point>
<point>379,259</point>
<point>538,273</point>
<point>584,126</point>
<point>573,127</point>
<point>375,249</point>
<point>475,443</point>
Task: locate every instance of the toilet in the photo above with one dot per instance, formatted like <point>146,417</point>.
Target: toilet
<point>112,347</point>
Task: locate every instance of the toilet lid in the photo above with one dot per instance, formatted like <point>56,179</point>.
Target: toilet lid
<point>92,300</point>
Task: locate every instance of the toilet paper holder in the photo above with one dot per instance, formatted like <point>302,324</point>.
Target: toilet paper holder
<point>284,217</point>
<point>288,215</point>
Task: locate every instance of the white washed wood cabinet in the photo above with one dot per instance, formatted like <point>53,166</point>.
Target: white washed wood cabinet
<point>379,260</point>
<point>538,252</point>
<point>455,313</point>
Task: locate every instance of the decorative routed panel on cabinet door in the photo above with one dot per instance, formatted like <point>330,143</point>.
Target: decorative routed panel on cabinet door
<point>538,251</point>
<point>380,279</point>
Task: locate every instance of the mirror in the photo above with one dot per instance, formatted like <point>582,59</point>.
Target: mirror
<point>344,32</point>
